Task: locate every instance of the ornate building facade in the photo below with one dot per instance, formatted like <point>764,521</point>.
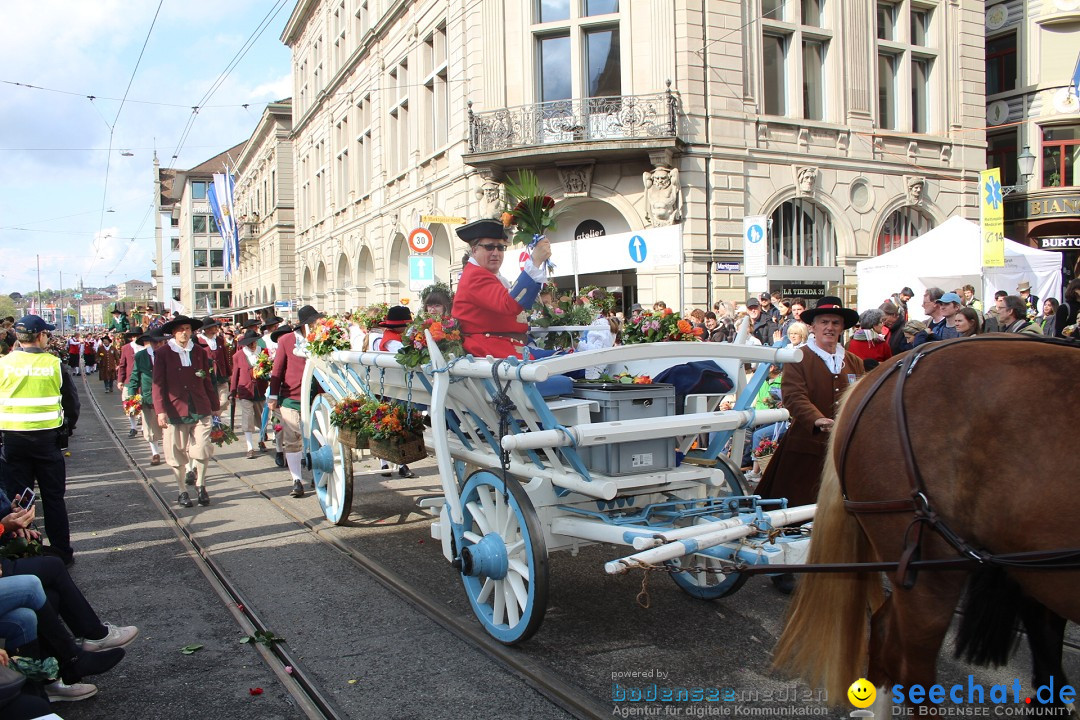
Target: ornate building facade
<point>852,126</point>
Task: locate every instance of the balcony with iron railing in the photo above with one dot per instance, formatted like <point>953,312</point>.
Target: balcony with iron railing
<point>614,127</point>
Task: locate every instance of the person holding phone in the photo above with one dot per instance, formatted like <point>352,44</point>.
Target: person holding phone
<point>38,406</point>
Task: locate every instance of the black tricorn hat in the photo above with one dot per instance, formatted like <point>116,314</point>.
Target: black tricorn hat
<point>249,337</point>
<point>831,305</point>
<point>181,320</point>
<point>482,229</point>
<point>283,330</point>
<point>397,316</point>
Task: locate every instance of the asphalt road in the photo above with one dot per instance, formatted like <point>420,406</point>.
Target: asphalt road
<point>373,654</point>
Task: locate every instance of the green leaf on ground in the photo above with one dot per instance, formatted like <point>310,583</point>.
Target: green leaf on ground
<point>264,637</point>
<point>189,649</point>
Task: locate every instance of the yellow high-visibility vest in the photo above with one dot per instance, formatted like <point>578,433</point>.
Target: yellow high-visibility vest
<point>30,392</point>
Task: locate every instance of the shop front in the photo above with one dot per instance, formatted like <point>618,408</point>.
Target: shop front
<point>1048,220</point>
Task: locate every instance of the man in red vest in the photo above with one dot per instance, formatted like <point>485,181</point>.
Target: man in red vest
<point>285,396</point>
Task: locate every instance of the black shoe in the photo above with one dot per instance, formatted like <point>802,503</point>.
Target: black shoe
<point>784,583</point>
<point>189,479</point>
<point>298,488</point>
<point>91,663</point>
<point>279,459</point>
<point>204,499</point>
<point>66,555</point>
<point>184,500</point>
<point>405,472</point>
<point>385,471</point>
<point>262,446</point>
<point>132,432</point>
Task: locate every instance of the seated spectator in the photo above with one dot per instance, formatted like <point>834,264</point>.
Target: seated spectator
<point>798,333</point>
<point>762,326</point>
<point>949,304</point>
<point>894,325</point>
<point>912,330</point>
<point>1046,320</point>
<point>1013,318</point>
<point>717,330</point>
<point>968,322</point>
<point>869,340</point>
<point>1070,306</point>
<point>991,320</point>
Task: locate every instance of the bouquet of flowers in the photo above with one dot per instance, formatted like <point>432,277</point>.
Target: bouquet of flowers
<point>263,365</point>
<point>665,326</point>
<point>565,310</point>
<point>390,420</point>
<point>222,435</point>
<point>370,316</point>
<point>599,298</point>
<point>530,210</point>
<point>353,413</point>
<point>327,335</point>
<point>765,448</point>
<point>133,405</point>
<point>444,330</point>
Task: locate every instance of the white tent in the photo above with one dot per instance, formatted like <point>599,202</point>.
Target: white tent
<point>950,256</point>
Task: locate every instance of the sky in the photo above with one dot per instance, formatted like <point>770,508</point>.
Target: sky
<point>65,198</point>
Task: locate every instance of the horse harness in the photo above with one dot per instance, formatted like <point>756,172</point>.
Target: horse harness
<point>919,503</point>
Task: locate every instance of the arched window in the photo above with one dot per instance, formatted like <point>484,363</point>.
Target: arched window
<point>901,227</point>
<point>801,233</point>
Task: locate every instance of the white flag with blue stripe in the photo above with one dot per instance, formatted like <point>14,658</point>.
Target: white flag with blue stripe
<point>220,196</point>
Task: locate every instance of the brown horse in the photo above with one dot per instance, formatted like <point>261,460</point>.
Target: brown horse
<point>992,422</point>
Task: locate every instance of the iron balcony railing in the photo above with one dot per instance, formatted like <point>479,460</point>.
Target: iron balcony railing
<point>595,119</point>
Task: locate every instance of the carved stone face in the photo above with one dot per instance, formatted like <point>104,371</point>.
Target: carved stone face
<point>915,191</point>
<point>806,179</point>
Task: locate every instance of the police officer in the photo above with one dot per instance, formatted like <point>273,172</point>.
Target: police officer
<point>39,406</point>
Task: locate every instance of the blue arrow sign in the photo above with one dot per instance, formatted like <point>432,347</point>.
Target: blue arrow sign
<point>638,249</point>
<point>421,271</point>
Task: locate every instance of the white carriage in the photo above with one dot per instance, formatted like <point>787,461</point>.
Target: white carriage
<point>498,521</point>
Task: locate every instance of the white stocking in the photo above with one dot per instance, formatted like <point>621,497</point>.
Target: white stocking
<point>293,461</point>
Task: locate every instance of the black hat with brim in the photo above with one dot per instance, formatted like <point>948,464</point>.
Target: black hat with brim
<point>118,311</point>
<point>248,338</point>
<point>155,335</point>
<point>252,323</point>
<point>271,322</point>
<point>482,229</point>
<point>830,305</point>
<point>397,316</point>
<point>179,320</point>
<point>210,323</point>
<point>308,314</point>
<point>283,330</point>
<point>128,334</point>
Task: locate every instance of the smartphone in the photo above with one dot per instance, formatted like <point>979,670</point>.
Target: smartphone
<point>26,499</point>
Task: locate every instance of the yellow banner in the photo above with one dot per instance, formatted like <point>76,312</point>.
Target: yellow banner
<point>992,218</point>
<point>447,219</point>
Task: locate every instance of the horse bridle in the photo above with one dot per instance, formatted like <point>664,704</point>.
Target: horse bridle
<point>918,502</point>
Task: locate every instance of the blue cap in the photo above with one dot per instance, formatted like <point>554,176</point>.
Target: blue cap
<point>950,297</point>
<point>32,324</point>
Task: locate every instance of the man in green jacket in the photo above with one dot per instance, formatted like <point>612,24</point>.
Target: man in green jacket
<point>141,383</point>
<point>119,321</point>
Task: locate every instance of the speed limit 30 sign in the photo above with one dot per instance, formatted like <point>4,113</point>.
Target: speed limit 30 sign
<point>420,240</point>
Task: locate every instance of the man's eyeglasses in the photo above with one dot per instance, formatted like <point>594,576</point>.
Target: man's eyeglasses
<point>493,247</point>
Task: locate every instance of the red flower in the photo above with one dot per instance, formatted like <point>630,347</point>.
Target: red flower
<point>255,691</point>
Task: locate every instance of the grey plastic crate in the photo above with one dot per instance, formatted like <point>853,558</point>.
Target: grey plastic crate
<point>630,402</point>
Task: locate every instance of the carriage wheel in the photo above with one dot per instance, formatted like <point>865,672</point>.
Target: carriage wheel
<point>702,584</point>
<point>331,463</point>
<point>735,480</point>
<point>503,558</point>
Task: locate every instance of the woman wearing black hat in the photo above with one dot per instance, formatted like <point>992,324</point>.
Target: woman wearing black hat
<point>487,307</point>
<point>811,389</point>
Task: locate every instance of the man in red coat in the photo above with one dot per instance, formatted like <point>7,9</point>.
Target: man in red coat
<point>285,396</point>
<point>123,373</point>
<point>213,343</point>
<point>490,310</point>
<point>187,403</point>
<point>246,390</point>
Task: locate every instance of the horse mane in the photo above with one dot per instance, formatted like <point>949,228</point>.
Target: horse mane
<point>824,641</point>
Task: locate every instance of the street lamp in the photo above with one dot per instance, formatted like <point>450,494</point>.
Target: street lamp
<point>1025,163</point>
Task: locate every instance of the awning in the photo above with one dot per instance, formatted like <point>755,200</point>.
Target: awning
<point>245,310</point>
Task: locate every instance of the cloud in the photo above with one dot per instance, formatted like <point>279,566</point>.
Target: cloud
<point>274,90</point>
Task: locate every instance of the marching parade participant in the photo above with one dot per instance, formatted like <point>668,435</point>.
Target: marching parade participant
<point>393,325</point>
<point>246,390</point>
<point>89,351</point>
<point>488,307</point>
<point>213,342</point>
<point>285,398</point>
<point>186,402</point>
<point>270,330</point>
<point>39,406</point>
<point>141,383</point>
<point>119,322</point>
<point>74,350</point>
<point>108,357</point>
<point>123,371</point>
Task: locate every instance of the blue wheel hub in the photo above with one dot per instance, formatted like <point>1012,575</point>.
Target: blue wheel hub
<point>322,460</point>
<point>486,558</point>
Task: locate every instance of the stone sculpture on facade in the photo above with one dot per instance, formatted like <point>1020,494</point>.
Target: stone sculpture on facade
<point>805,179</point>
<point>490,199</point>
<point>576,180</point>
<point>663,196</point>
<point>915,187</point>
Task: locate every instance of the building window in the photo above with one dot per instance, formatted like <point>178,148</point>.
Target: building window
<point>199,224</point>
<point>801,233</point>
<point>204,299</point>
<point>342,180</point>
<point>901,227</point>
<point>363,145</point>
<point>1061,156</point>
<point>1001,153</point>
<point>174,222</point>
<point>224,299</point>
<point>795,59</point>
<point>578,49</point>
<point>398,156</point>
<point>772,9</point>
<point>199,258</point>
<point>217,259</point>
<point>906,51</point>
<point>175,267</point>
<point>1001,63</point>
<point>198,190</point>
<point>340,49</point>
<point>174,244</point>
<point>437,98</point>
<point>176,294</point>
<point>363,24</point>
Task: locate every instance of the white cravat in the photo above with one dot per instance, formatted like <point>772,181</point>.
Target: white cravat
<point>251,355</point>
<point>150,352</point>
<point>211,343</point>
<point>834,362</point>
<point>184,353</point>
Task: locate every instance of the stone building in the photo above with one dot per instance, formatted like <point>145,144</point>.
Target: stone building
<point>135,289</point>
<point>166,272</point>
<point>850,125</point>
<point>1033,110</point>
<point>264,199</point>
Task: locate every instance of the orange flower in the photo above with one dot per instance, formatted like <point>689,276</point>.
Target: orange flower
<point>507,219</point>
<point>684,327</point>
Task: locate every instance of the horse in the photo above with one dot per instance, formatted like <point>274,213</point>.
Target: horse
<point>987,505</point>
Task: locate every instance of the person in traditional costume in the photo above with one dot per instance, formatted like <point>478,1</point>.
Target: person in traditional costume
<point>246,390</point>
<point>124,367</point>
<point>213,343</point>
<point>393,325</point>
<point>187,405</point>
<point>491,310</point>
<point>141,383</point>
<point>89,351</point>
<point>75,351</point>
<point>286,379</point>
<point>119,322</point>
<point>268,342</point>
<point>108,357</point>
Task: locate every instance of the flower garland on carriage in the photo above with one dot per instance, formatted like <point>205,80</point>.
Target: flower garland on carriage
<point>665,326</point>
<point>444,330</point>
